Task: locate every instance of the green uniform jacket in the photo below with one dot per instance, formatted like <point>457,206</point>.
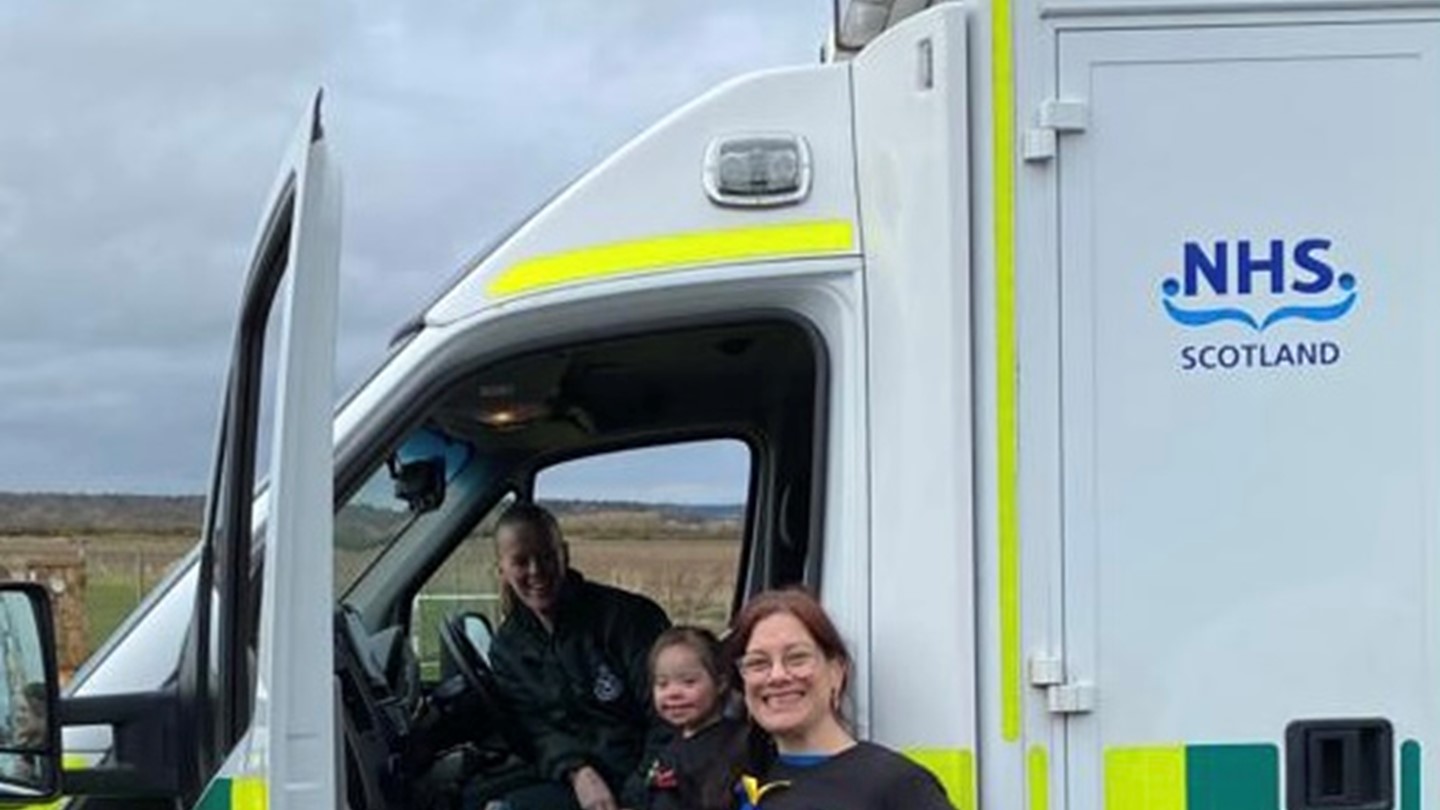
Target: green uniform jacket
<point>583,694</point>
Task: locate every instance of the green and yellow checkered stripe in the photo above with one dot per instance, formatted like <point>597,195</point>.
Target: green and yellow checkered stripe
<point>234,793</point>
<point>1217,777</point>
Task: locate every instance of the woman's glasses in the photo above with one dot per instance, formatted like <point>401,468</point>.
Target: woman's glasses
<point>795,661</point>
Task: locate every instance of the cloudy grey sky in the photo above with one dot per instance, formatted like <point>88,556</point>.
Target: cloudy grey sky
<point>139,137</point>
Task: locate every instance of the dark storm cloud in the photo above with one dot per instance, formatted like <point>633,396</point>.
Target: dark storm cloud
<point>141,138</point>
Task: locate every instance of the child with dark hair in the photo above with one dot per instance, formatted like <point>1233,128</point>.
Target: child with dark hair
<point>690,683</point>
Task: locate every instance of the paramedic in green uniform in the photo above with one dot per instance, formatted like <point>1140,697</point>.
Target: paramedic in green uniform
<point>572,656</point>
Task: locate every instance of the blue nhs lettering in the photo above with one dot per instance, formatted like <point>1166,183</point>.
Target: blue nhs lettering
<point>1257,265</point>
<point>1257,283</point>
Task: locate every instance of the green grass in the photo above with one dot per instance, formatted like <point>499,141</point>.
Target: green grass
<point>108,600</point>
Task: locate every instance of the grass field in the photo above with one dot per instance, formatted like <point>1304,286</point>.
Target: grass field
<point>107,603</point>
<point>693,580</point>
<point>119,571</point>
<point>688,568</point>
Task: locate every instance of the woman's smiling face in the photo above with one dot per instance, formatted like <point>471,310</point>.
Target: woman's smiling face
<point>532,564</point>
<point>791,688</point>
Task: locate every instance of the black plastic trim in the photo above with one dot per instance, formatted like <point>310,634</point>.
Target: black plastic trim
<point>1340,764</point>
<point>145,755</point>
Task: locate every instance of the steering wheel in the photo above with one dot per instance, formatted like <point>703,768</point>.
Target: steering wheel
<point>475,671</point>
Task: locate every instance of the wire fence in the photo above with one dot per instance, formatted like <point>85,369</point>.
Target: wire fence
<point>94,582</point>
<point>97,581</point>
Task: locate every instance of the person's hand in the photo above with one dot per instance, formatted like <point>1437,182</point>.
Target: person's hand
<point>591,792</point>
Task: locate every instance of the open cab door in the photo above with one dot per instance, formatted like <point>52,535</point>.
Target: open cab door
<point>249,719</point>
<point>253,691</point>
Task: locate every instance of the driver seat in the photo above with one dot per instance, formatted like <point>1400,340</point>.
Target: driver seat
<point>375,722</point>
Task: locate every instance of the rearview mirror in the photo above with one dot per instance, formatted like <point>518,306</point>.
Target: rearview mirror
<point>29,696</point>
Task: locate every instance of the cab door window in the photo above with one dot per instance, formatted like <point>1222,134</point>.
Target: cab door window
<point>667,522</point>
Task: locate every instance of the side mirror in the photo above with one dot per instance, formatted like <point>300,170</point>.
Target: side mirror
<point>477,629</point>
<point>29,696</point>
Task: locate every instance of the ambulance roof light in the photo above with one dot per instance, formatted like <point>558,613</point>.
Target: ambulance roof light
<point>761,169</point>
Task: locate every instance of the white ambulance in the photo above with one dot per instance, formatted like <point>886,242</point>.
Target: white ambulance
<point>1081,354</point>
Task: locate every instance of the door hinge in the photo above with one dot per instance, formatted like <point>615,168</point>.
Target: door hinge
<point>1055,117</point>
<point>1061,697</point>
<point>1070,698</point>
<point>1046,670</point>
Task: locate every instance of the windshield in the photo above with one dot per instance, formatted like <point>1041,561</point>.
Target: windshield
<point>412,481</point>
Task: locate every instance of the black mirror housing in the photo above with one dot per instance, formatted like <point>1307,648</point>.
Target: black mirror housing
<point>420,484</point>
<point>30,750</point>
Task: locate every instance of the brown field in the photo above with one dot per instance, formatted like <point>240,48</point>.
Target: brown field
<point>688,567</point>
<point>694,580</point>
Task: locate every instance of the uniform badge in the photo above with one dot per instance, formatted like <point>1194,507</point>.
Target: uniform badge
<point>608,687</point>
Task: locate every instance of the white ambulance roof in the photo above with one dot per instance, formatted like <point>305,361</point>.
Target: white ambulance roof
<point>644,211</point>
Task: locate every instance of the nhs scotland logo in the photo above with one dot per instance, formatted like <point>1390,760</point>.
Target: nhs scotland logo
<point>1258,274</point>
<point>1257,285</point>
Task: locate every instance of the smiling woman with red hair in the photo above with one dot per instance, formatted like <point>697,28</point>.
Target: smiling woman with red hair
<point>795,669</point>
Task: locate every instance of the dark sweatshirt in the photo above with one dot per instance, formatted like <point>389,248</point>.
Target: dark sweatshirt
<point>582,694</point>
<point>862,777</point>
<point>681,771</point>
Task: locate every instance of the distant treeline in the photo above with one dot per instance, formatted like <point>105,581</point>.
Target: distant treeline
<point>54,513</point>
<point>673,512</point>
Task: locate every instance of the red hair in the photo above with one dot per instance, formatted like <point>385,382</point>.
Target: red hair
<point>795,602</point>
<point>751,750</point>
